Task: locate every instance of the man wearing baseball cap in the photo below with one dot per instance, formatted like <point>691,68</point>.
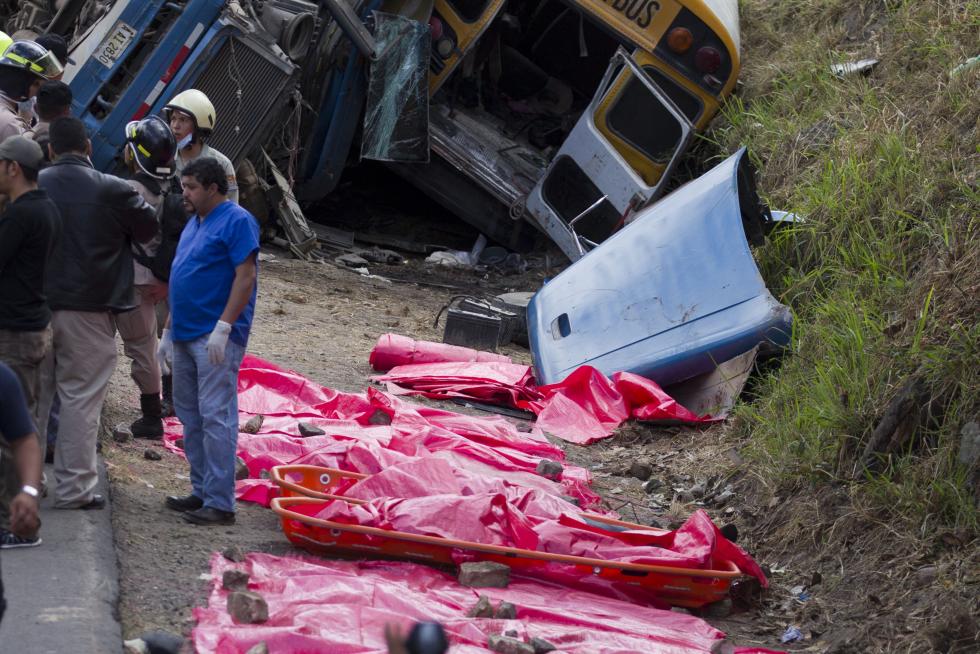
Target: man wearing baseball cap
<point>28,228</point>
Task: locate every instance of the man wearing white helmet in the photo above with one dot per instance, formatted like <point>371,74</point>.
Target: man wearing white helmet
<point>192,117</point>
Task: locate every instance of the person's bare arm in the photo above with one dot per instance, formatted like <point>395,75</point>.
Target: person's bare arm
<point>24,520</point>
<point>241,290</point>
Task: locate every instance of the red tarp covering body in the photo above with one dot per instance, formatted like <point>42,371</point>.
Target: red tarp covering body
<point>585,407</point>
<point>430,500</point>
<point>341,607</point>
<point>335,607</point>
<point>358,440</point>
<point>394,350</point>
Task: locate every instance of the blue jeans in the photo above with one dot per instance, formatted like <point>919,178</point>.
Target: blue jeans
<point>206,401</point>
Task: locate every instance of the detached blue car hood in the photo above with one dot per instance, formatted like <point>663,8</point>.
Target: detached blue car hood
<point>671,295</point>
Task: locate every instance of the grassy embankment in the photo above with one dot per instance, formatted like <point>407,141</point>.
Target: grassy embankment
<point>884,276</point>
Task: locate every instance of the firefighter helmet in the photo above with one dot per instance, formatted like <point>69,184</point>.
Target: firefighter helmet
<point>196,105</point>
<point>152,146</point>
<point>32,58</point>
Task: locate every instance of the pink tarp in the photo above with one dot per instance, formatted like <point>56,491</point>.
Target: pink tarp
<point>359,437</point>
<point>585,407</point>
<point>395,350</point>
<point>334,607</point>
<point>431,500</point>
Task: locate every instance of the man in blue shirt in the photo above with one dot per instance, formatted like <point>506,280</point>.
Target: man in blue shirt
<point>212,300</point>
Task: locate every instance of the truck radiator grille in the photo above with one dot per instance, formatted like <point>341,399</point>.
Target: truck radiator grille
<point>263,82</point>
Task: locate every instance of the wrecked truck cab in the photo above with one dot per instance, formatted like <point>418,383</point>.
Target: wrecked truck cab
<point>671,295</point>
<point>138,54</point>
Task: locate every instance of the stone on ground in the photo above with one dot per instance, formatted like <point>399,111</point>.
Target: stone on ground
<point>241,469</point>
<point>541,646</point>
<point>482,609</point>
<point>234,580</point>
<point>122,434</point>
<point>506,611</point>
<point>484,574</point>
<point>550,469</point>
<point>233,553</point>
<point>246,607</point>
<point>380,417</point>
<point>306,430</point>
<point>253,425</point>
<point>505,645</point>
<point>641,470</point>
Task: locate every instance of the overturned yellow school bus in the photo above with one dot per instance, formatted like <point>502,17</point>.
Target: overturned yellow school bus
<point>571,114</point>
<point>565,115</point>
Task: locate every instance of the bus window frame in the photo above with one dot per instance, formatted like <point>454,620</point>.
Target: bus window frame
<point>451,5</point>
<point>621,92</point>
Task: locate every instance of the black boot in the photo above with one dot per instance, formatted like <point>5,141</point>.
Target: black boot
<point>150,425</point>
<point>168,396</point>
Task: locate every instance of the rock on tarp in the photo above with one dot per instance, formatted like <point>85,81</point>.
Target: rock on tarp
<point>334,607</point>
<point>585,407</point>
<point>478,447</point>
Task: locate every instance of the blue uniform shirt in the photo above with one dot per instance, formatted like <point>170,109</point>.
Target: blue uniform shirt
<point>204,269</point>
<point>15,419</point>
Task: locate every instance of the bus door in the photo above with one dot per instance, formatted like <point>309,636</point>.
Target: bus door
<point>589,190</point>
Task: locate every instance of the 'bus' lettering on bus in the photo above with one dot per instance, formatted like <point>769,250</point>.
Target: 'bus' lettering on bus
<point>639,11</point>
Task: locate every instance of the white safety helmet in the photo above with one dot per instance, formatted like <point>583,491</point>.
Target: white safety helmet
<point>196,105</point>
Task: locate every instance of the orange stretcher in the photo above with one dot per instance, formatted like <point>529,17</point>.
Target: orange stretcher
<point>307,489</point>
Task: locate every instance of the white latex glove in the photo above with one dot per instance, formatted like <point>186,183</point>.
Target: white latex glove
<point>165,352</point>
<point>217,342</point>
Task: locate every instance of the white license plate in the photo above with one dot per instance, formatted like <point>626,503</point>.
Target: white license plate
<point>115,44</point>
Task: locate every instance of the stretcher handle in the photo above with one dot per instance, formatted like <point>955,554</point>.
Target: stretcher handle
<point>280,474</point>
<point>280,504</point>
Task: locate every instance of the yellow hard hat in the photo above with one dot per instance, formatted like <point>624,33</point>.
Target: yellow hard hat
<point>196,105</point>
<point>5,41</point>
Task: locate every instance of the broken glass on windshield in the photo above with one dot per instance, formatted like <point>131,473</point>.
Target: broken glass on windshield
<point>396,122</point>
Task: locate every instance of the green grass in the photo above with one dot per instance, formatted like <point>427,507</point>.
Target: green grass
<point>884,276</point>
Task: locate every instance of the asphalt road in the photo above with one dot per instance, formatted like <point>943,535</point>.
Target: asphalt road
<point>62,596</point>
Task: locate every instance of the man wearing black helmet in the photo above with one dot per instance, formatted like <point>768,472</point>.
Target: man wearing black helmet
<point>149,155</point>
<point>23,67</point>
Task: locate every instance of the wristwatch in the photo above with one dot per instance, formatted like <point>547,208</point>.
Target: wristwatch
<point>30,490</point>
